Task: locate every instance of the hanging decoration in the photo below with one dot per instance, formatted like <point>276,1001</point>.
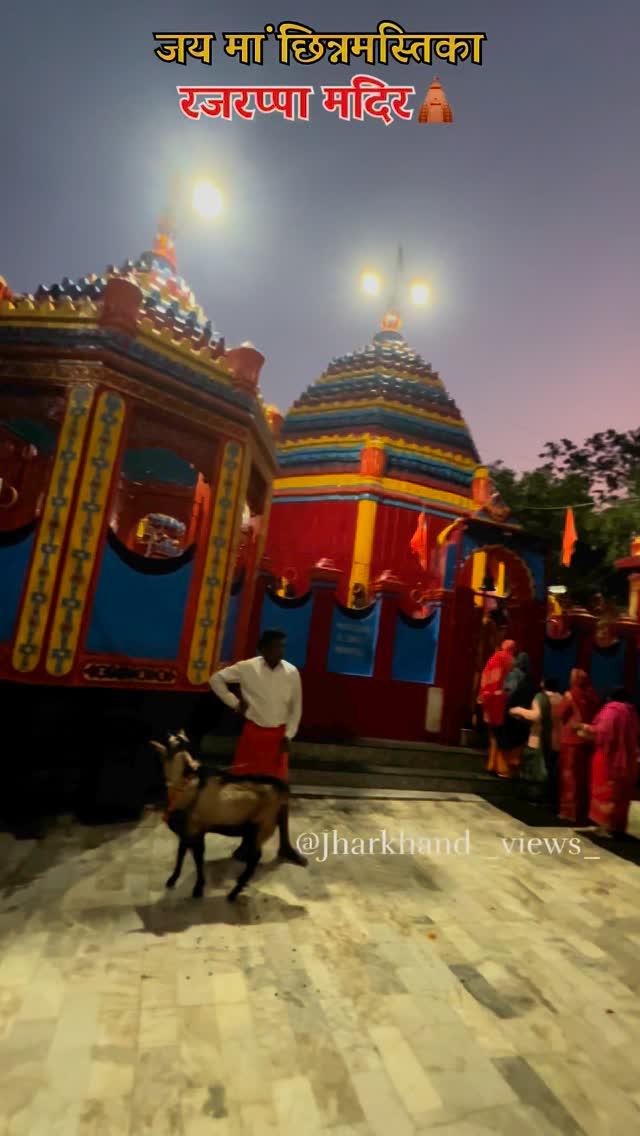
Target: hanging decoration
<point>569,539</point>
<point>419,541</point>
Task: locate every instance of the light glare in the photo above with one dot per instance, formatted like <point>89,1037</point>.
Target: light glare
<point>207,200</point>
<point>420,293</point>
<point>370,283</point>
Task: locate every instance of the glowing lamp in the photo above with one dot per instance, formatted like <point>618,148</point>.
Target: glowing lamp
<point>207,200</point>
<point>420,293</point>
<point>370,283</point>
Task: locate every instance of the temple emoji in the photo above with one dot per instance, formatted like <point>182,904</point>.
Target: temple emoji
<point>435,107</point>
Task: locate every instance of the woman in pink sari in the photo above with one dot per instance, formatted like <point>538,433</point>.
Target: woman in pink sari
<point>580,707</point>
<point>615,764</point>
<point>493,698</point>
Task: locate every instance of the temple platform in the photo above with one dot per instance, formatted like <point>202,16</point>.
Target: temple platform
<point>472,989</point>
<point>382,765</point>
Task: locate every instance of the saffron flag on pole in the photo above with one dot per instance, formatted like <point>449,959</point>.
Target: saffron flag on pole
<point>569,539</point>
<point>418,542</point>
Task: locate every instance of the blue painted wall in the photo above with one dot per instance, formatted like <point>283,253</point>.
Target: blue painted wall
<point>450,565</point>
<point>294,618</point>
<point>354,638</point>
<point>560,657</point>
<point>415,649</point>
<point>136,614</point>
<point>157,464</point>
<point>233,611</point>
<point>14,562</point>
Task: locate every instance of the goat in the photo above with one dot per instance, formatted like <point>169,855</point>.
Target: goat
<point>201,803</point>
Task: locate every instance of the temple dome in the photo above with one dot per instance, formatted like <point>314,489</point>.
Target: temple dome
<point>385,391</point>
<point>166,296</point>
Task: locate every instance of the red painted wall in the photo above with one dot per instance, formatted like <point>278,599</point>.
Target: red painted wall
<point>301,533</point>
<point>395,527</point>
<point>341,706</point>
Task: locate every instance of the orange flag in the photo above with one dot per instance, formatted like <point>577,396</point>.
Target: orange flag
<point>569,539</point>
<point>418,542</point>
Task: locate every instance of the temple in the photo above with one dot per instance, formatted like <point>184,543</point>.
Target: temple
<point>155,515</point>
<point>136,464</point>
<point>390,560</point>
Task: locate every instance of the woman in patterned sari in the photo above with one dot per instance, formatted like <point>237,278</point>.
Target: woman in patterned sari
<point>581,704</point>
<point>615,764</point>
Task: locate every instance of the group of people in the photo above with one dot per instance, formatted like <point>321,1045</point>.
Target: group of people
<point>570,750</point>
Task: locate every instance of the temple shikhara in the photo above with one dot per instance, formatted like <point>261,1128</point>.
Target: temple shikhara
<point>155,515</point>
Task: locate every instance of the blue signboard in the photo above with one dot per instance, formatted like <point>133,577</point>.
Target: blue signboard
<point>354,637</point>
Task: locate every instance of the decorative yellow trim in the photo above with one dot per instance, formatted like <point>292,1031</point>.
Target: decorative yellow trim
<point>478,573</point>
<point>379,486</point>
<point>508,552</point>
<point>501,581</point>
<point>53,526</point>
<point>234,476</point>
<point>182,350</point>
<point>64,312</point>
<point>363,544</point>
<point>346,441</point>
<point>59,323</point>
<point>86,530</point>
<point>368,403</point>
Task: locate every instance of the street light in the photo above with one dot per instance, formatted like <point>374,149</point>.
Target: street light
<point>420,293</point>
<point>207,200</point>
<point>370,283</point>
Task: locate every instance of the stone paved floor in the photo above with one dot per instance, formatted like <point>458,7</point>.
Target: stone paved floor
<point>470,993</point>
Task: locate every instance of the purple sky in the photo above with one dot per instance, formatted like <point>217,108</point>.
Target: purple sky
<point>523,214</point>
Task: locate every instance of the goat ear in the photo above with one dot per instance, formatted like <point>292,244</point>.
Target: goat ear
<point>159,748</point>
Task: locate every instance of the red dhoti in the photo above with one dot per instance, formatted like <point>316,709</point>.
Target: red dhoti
<point>260,752</point>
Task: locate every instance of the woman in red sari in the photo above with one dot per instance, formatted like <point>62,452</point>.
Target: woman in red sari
<point>581,706</point>
<point>493,698</point>
<point>615,764</point>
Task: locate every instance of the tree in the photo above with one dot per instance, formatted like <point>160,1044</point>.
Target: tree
<point>609,460</point>
<point>538,500</point>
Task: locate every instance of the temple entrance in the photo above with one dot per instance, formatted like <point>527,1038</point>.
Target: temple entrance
<point>501,605</point>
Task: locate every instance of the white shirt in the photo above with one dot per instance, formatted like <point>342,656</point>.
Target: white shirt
<point>273,695</point>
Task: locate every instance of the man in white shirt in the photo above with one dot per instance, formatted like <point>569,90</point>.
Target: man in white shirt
<point>271,704</point>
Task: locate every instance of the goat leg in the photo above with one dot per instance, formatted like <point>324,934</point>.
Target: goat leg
<point>245,875</point>
<point>197,851</point>
<point>286,850</point>
<point>175,875</point>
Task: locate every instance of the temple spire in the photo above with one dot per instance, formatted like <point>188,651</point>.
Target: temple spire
<point>164,247</point>
<point>392,321</point>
